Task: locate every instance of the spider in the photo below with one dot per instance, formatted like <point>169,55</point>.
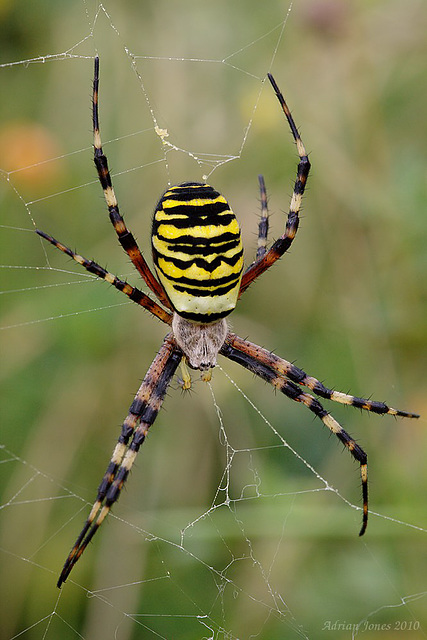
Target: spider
<point>198,259</point>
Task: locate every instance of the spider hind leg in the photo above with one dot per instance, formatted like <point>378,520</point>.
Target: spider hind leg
<point>125,237</point>
<point>266,259</point>
<point>263,224</point>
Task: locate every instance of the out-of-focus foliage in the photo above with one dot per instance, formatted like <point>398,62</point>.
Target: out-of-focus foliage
<point>348,304</point>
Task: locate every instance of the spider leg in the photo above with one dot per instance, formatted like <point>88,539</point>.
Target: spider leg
<point>125,237</point>
<point>142,413</point>
<point>263,222</point>
<point>284,368</point>
<point>282,244</point>
<point>294,392</point>
<point>132,292</point>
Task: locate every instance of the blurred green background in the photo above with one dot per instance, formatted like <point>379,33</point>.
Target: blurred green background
<point>348,304</point>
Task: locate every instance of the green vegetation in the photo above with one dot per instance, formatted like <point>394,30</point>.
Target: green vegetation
<point>348,304</point>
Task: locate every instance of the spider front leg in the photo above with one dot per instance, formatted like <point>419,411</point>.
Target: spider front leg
<point>284,368</point>
<point>142,413</point>
<point>293,392</point>
<point>283,375</point>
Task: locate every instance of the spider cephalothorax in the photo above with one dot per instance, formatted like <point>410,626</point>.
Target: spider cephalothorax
<point>198,258</point>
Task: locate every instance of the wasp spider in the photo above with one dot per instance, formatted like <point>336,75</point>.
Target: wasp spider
<point>198,258</point>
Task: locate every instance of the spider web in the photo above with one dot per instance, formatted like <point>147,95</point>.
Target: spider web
<point>241,518</point>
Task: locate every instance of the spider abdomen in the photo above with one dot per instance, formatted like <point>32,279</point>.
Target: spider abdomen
<point>197,252</point>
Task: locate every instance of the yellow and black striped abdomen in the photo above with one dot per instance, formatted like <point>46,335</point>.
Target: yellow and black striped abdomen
<point>197,251</point>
